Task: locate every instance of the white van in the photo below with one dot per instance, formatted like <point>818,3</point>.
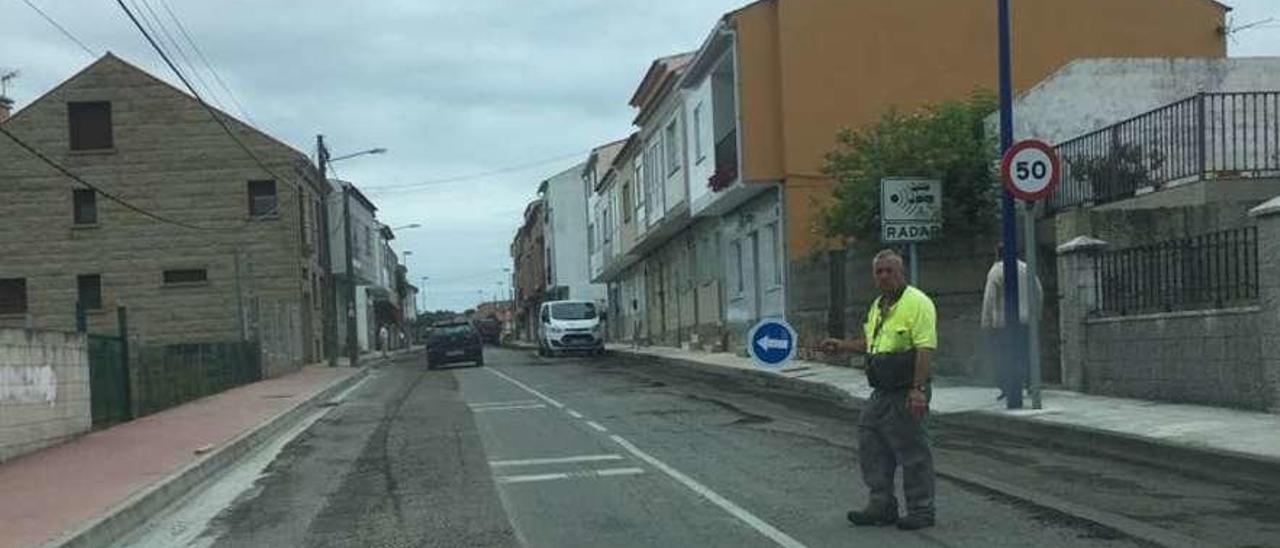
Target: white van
<point>570,325</point>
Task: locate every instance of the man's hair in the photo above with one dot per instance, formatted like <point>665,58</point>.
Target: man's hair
<point>887,255</point>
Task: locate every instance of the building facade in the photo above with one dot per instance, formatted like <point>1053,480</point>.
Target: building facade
<point>731,141</point>
<point>243,263</point>
<point>528,255</point>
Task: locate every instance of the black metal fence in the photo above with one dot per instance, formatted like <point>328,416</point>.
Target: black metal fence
<point>1207,135</point>
<point>175,374</point>
<point>1215,270</point>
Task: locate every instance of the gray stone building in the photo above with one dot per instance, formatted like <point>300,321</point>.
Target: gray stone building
<point>251,269</point>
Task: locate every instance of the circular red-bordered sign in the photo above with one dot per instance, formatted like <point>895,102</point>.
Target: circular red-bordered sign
<point>1030,170</point>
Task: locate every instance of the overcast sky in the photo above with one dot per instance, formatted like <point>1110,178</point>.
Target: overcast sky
<point>452,87</point>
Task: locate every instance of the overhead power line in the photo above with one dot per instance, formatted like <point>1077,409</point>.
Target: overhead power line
<point>474,176</point>
<point>159,26</point>
<point>32,150</point>
<point>60,28</point>
<point>200,53</point>
<point>212,112</point>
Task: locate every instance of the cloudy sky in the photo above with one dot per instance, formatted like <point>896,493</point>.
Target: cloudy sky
<point>454,88</point>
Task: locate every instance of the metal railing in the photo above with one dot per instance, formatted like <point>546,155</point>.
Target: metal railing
<point>1214,270</point>
<point>1205,136</point>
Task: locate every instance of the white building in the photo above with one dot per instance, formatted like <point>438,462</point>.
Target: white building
<point>567,235</point>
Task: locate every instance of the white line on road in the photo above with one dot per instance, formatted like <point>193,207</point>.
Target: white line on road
<point>573,413</point>
<point>508,408</point>
<point>527,389</point>
<point>561,460</point>
<point>341,397</point>
<point>597,426</point>
<point>500,403</point>
<point>586,474</point>
<point>737,511</point>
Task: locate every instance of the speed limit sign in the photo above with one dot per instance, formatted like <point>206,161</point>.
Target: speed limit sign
<point>1030,170</point>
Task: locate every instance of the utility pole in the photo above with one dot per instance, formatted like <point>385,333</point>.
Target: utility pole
<point>1012,362</point>
<point>353,350</point>
<point>326,260</point>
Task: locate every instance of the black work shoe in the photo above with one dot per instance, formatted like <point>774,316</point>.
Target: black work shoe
<point>913,522</point>
<point>873,516</point>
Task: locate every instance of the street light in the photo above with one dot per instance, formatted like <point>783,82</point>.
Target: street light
<point>323,159</point>
<point>355,154</point>
<point>411,225</point>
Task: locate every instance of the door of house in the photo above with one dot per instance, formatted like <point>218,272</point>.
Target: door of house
<point>108,380</point>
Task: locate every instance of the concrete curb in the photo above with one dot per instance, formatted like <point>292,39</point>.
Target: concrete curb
<point>123,518</point>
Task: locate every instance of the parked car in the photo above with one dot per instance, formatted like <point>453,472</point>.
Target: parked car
<point>568,326</point>
<point>454,342</point>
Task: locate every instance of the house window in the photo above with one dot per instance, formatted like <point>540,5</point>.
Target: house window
<point>638,183</point>
<point>13,296</point>
<point>673,149</point>
<point>740,284</point>
<point>262,198</point>
<point>770,254</point>
<point>89,291</point>
<point>627,202</point>
<point>85,206</point>
<point>697,135</point>
<point>90,124</point>
<point>186,276</point>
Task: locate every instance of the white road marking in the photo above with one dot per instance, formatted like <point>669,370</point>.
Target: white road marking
<point>573,413</point>
<point>586,474</point>
<point>343,395</point>
<point>561,460</point>
<point>597,426</point>
<point>737,511</point>
<point>508,408</point>
<point>500,403</point>
<point>540,395</point>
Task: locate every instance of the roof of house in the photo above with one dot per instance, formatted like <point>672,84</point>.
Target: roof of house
<point>236,123</point>
<point>603,155</point>
<point>355,191</point>
<point>659,71</point>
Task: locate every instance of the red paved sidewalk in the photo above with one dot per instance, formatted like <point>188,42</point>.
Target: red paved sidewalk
<point>50,492</point>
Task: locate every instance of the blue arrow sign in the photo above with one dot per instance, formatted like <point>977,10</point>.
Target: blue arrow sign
<point>771,343</point>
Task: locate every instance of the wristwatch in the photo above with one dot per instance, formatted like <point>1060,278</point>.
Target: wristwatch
<point>919,387</point>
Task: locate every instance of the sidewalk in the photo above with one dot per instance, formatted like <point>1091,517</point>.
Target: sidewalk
<point>75,491</point>
<point>1190,437</point>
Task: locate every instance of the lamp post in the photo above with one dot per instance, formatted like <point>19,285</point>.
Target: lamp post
<point>323,160</point>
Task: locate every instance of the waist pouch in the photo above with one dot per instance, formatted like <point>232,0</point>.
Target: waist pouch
<point>891,370</point>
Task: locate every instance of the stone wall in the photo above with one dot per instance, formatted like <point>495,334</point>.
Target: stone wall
<point>1207,357</point>
<point>44,389</point>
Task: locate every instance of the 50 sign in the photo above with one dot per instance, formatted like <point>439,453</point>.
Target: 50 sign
<point>1030,170</point>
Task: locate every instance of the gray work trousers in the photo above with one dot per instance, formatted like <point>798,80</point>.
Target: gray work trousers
<point>888,436</point>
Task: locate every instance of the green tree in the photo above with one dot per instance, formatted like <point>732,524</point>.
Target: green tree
<point>946,141</point>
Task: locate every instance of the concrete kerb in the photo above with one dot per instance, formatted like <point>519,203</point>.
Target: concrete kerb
<point>1193,461</point>
<point>135,510</point>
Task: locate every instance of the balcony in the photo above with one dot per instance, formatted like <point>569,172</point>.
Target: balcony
<point>1210,136</point>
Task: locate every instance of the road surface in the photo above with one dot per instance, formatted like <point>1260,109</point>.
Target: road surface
<point>617,452</point>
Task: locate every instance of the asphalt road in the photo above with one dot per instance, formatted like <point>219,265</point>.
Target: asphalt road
<point>616,452</point>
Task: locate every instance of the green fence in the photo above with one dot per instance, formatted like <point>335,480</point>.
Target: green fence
<point>175,374</point>
<point>108,381</point>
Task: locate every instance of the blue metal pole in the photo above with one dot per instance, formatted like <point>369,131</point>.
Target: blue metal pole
<point>1012,364</point>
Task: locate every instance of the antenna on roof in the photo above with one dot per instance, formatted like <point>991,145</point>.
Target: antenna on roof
<point>4,81</point>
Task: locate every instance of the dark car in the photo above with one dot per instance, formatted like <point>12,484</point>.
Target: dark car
<point>454,342</point>
<point>490,330</point>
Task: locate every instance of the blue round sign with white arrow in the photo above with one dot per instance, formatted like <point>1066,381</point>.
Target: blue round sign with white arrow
<point>771,343</point>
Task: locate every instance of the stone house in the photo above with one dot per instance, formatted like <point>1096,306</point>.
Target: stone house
<point>245,264</point>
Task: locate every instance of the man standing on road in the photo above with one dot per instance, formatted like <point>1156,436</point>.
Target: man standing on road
<point>899,336</point>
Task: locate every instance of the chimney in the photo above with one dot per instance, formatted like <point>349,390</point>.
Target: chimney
<point>6,105</point>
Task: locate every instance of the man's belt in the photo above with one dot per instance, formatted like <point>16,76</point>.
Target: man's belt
<point>891,370</point>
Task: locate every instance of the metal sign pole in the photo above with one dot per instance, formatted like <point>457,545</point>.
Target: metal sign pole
<point>1013,381</point>
<point>915,271</point>
<point>1033,306</point>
